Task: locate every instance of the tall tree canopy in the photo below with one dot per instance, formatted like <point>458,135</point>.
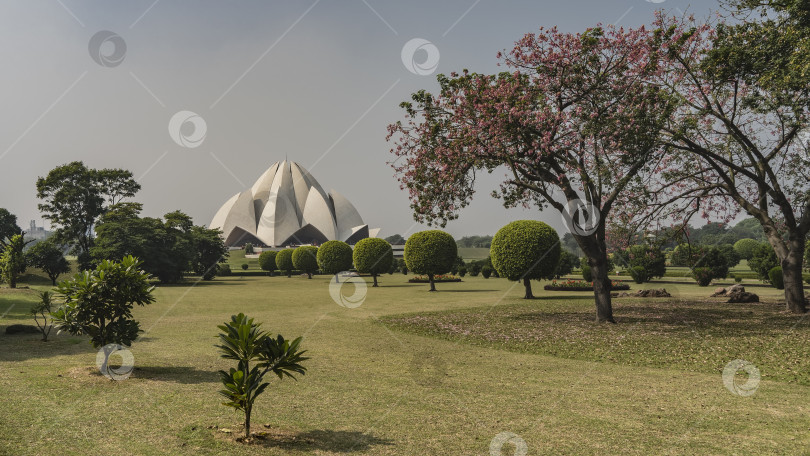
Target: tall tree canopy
<point>75,196</point>
<point>8,225</point>
<point>740,134</point>
<point>572,122</point>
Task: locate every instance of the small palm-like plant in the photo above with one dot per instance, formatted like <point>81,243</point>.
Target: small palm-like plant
<point>256,354</point>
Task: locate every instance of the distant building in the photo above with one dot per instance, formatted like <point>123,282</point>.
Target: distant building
<point>287,206</point>
<point>35,232</point>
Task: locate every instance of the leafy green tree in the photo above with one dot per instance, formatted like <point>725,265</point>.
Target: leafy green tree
<point>256,355</point>
<point>568,261</point>
<point>164,248</point>
<point>99,303</point>
<point>639,274</point>
<point>763,260</point>
<point>334,257</point>
<point>738,135</point>
<point>776,279</point>
<point>8,225</point>
<point>42,310</point>
<point>284,261</point>
<point>745,247</point>
<point>74,197</point>
<point>46,256</point>
<point>374,256</point>
<point>749,228</point>
<point>710,265</point>
<point>649,257</point>
<point>403,268</point>
<point>430,252</point>
<point>732,257</point>
<point>267,261</point>
<point>395,239</point>
<point>208,251</point>
<point>12,260</point>
<point>249,250</point>
<point>524,250</point>
<point>305,259</point>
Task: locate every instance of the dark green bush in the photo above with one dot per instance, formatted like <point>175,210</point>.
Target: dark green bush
<point>586,274</point>
<point>462,271</point>
<point>568,261</point>
<point>249,250</point>
<point>267,261</point>
<point>284,261</point>
<point>763,259</point>
<point>737,279</point>
<point>430,252</point>
<point>245,266</point>
<point>703,276</point>
<point>305,258</point>
<point>776,278</point>
<point>651,258</point>
<point>745,248</point>
<point>525,249</point>
<point>334,257</point>
<point>373,256</point>
<point>639,274</point>
<point>486,272</point>
<point>223,269</point>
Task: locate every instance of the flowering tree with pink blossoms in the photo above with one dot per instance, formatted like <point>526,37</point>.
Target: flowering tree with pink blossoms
<point>572,122</point>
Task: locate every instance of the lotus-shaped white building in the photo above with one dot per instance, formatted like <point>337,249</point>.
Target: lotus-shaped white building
<point>287,206</point>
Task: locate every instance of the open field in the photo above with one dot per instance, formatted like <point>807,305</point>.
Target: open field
<point>373,389</point>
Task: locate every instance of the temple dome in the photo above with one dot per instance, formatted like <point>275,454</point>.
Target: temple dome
<point>287,206</point>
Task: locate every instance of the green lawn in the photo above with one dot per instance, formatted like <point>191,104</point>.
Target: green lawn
<point>379,386</point>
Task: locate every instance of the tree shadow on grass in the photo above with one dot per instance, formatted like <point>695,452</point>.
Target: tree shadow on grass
<point>176,374</point>
<point>466,291</point>
<point>320,440</point>
<point>201,283</point>
<point>668,317</point>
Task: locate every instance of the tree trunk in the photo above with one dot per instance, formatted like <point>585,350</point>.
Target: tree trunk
<point>375,279</point>
<point>309,275</point>
<point>432,284</point>
<point>792,273</point>
<point>528,284</point>
<point>289,273</point>
<point>12,281</point>
<point>594,247</point>
<point>247,421</point>
<point>601,288</point>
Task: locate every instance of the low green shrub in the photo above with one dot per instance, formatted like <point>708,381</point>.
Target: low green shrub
<point>639,274</point>
<point>777,280</point>
<point>486,272</point>
<point>586,273</point>
<point>703,276</point>
<point>245,266</point>
<point>223,269</point>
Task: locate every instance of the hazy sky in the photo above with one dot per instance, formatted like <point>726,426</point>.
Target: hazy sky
<point>316,81</point>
